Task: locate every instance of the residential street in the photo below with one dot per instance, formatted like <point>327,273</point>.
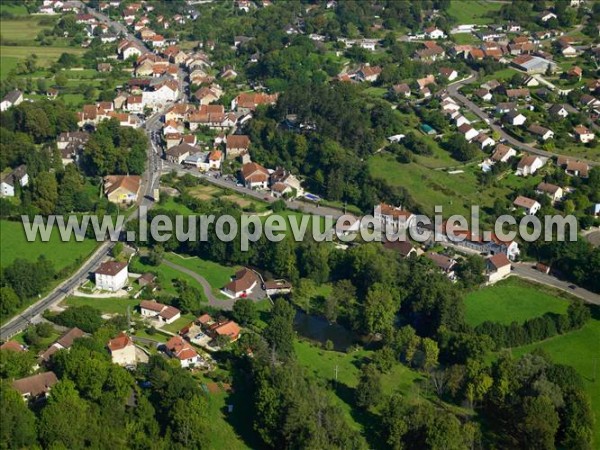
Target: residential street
<point>454,91</point>
<point>526,270</point>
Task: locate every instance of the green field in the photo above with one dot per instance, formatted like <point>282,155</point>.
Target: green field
<point>184,320</point>
<point>45,55</point>
<point>578,349</point>
<point>322,364</point>
<point>455,193</point>
<point>62,254</point>
<point>216,274</point>
<point>22,31</point>
<point>105,305</point>
<point>472,11</point>
<point>511,300</point>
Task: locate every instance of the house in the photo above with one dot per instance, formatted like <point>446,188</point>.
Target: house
<point>517,93</point>
<point>204,330</point>
<point>589,101</point>
<point>134,104</point>
<point>491,245</point>
<point>551,190</point>
<point>583,134</point>
<point>52,94</point>
<point>281,175</point>
<point>434,33</point>
<point>431,52</point>
<point>557,110</point>
<point>448,73</point>
<point>531,82</point>
<point>403,247</point>
<point>180,349</point>
<point>128,50</point>
<point>514,118</point>
<point>393,218</point>
<point>460,119</point>
<point>503,153</point>
<point>35,387</point>
<point>468,131</point>
<point>248,101</point>
<point>530,206</point>
<point>424,82</point>
<point>254,176</point>
<point>111,276</point>
<point>401,89</point>
<point>65,342</point>
<point>577,168</point>
<point>546,16</point>
<point>179,153</point>
<point>575,72</point>
<point>146,279</point>
<point>529,165</point>
<point>542,133</point>
<point>12,179</point>
<point>13,98</point>
<point>122,189</point>
<point>498,267</point>
<point>483,94</point>
<point>505,107</point>
<point>206,95</point>
<point>104,67</point>
<point>279,190</point>
<point>444,263</point>
<point>242,284</point>
<point>484,140</point>
<point>368,73</point>
<point>164,314</point>
<point>236,145</point>
<point>122,350</point>
<point>277,287</point>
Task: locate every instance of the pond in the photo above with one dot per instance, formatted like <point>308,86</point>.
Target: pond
<point>318,329</point>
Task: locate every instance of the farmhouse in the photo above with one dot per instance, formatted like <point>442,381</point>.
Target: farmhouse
<point>236,145</point>
<point>178,348</point>
<point>164,314</point>
<point>122,350</point>
<point>17,177</point>
<point>122,189</point>
<point>35,387</point>
<point>242,284</point>
<point>255,176</point>
<point>530,206</point>
<point>583,134</point>
<point>111,276</point>
<point>277,287</point>
<point>553,191</point>
<point>529,165</point>
<point>498,267</point>
<point>13,98</point>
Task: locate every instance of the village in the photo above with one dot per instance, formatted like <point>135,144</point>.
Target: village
<point>476,109</point>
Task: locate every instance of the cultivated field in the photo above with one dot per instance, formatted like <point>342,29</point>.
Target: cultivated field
<point>473,11</point>
<point>512,300</point>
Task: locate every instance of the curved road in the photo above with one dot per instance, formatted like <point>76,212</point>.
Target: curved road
<point>454,91</point>
<point>226,304</point>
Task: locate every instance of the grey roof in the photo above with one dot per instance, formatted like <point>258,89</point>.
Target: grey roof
<point>12,96</point>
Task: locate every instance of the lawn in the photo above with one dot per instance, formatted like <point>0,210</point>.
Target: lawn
<point>170,204</point>
<point>184,320</point>
<point>62,254</point>
<point>512,300</point>
<point>105,305</point>
<point>578,349</point>
<point>209,192</point>
<point>473,11</point>
<point>7,63</point>
<point>216,274</point>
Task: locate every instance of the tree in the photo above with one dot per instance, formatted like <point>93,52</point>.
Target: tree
<point>470,270</point>
<point>45,193</point>
<point>87,318</point>
<point>189,298</point>
<point>156,255</point>
<point>538,424</point>
<point>9,301</point>
<point>18,428</point>
<point>117,249</point>
<point>15,364</point>
<point>369,390</point>
<point>189,423</point>
<point>244,311</point>
<point>380,310</point>
<point>280,331</point>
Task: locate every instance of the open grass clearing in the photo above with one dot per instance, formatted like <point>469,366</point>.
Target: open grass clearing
<point>512,300</point>
<point>216,274</point>
<point>22,30</point>
<point>184,320</point>
<point>105,305</point>
<point>477,12</point>
<point>62,254</point>
<point>46,55</point>
<point>167,277</point>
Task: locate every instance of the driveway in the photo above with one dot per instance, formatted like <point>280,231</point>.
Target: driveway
<point>526,270</point>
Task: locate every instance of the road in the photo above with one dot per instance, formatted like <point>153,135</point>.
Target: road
<point>526,270</point>
<point>454,91</point>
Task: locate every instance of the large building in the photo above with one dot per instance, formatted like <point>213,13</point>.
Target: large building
<point>111,276</point>
<point>122,189</point>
